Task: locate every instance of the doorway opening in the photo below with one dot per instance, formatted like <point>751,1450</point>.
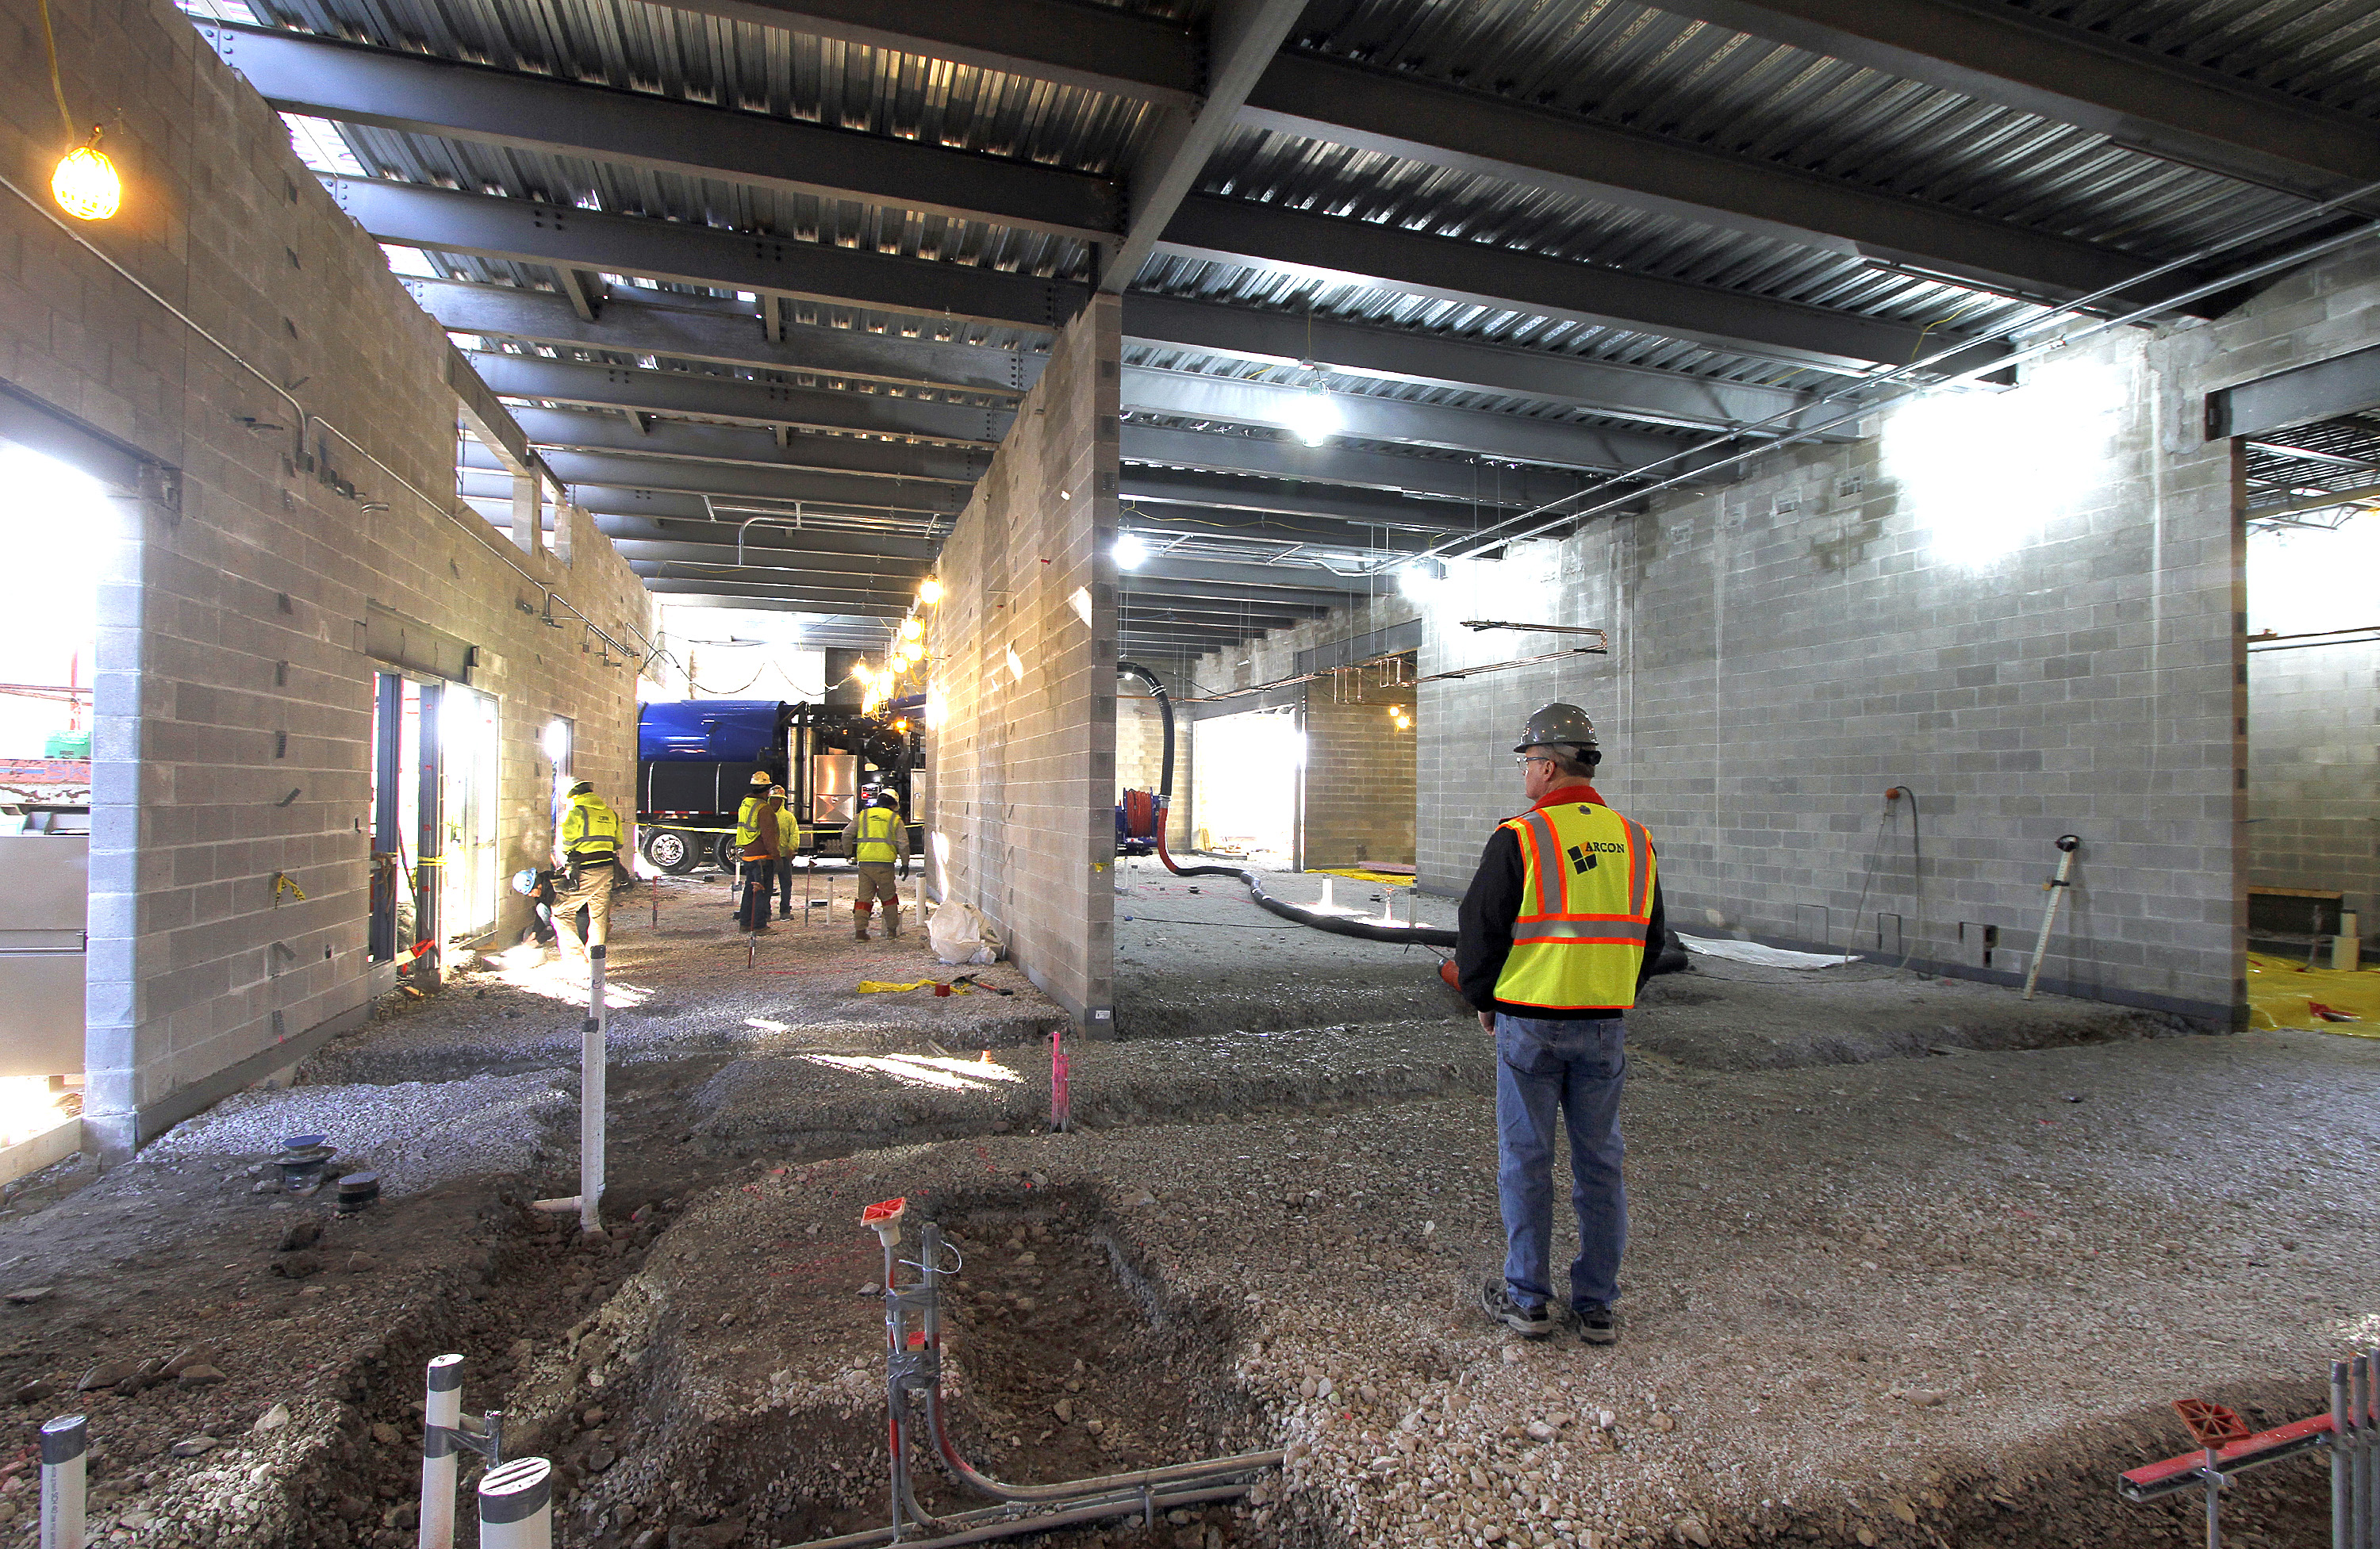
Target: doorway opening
<point>436,859</point>
<point>1251,786</point>
<point>57,513</point>
<point>2312,875</point>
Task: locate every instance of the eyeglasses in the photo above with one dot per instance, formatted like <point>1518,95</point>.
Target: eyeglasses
<point>1525,760</point>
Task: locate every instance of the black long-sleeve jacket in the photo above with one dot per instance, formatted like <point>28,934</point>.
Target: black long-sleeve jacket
<point>1485,939</point>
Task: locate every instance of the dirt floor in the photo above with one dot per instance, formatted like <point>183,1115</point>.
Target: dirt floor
<point>1911,1264</point>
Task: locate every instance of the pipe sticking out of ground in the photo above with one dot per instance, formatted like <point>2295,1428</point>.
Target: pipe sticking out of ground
<point>592,1063</point>
<point>66,1441</point>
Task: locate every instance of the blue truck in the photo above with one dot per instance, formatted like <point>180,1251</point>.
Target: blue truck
<point>695,757</point>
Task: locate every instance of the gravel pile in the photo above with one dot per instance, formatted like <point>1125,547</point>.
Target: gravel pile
<point>415,1134</point>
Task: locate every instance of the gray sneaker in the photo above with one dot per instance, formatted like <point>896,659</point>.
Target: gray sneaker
<point>1496,1300</point>
<point>1596,1324</point>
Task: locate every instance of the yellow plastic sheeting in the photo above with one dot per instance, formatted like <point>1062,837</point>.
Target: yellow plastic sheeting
<point>2279,995</point>
<point>1376,876</point>
<point>877,986</point>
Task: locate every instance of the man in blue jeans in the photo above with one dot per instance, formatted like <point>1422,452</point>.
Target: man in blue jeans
<point>1551,953</point>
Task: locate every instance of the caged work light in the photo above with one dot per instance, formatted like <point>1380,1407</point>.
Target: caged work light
<point>85,184</point>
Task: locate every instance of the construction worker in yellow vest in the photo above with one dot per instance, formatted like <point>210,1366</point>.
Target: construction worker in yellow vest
<point>878,839</point>
<point>587,846</point>
<point>757,846</point>
<point>1552,949</point>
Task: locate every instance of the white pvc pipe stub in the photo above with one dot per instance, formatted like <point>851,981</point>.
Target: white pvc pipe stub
<point>65,1441</point>
<point>516,1505</point>
<point>441,1411</point>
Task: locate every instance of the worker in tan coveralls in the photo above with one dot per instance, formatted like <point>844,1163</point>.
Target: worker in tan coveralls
<point>878,838</point>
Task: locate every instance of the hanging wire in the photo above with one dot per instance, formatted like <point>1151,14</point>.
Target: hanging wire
<point>57,88</point>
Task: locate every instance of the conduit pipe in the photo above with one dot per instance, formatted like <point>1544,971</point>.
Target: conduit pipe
<point>1545,516</point>
<point>1305,915</point>
<point>592,1060</point>
<point>65,1443</point>
<point>308,420</point>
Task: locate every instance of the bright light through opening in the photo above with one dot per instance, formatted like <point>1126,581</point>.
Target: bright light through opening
<point>1312,417</point>
<point>556,741</point>
<point>1130,552</point>
<point>1985,473</point>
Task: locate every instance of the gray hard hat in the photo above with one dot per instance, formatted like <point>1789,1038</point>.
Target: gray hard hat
<point>1558,725</point>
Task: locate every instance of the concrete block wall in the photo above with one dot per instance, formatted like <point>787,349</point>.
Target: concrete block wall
<point>2313,773</point>
<point>1360,771</point>
<point>234,697</point>
<point>1021,712</point>
<point>2022,608</point>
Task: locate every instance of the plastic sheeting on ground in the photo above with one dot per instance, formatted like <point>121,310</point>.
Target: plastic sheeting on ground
<point>1762,957</point>
<point>2284,992</point>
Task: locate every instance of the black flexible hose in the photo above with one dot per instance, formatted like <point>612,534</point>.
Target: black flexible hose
<point>1363,930</point>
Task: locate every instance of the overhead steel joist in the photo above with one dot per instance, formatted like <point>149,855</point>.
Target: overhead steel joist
<point>703,329</point>
<point>1242,38</point>
<point>1229,499</point>
<point>1098,48</point>
<point>2139,100</point>
<point>417,94</point>
<point>1571,156</point>
<point>1165,446</point>
<point>707,395</point>
<point>1243,234</point>
<point>1436,360</point>
<point>906,495</point>
<point>489,225</point>
<point>585,430</point>
<point>839,593</point>
<point>862,605</point>
<point>1482,433</point>
<point>1226,230</point>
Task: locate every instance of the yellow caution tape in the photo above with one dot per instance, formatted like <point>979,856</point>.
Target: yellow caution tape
<point>872,986</point>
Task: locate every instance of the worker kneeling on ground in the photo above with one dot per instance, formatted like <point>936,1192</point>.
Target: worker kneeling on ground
<point>878,838</point>
<point>1550,954</point>
<point>588,850</point>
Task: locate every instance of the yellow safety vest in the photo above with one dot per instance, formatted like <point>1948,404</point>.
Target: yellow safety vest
<point>747,821</point>
<point>872,835</point>
<point>590,830</point>
<point>1586,887</point>
<point>788,832</point>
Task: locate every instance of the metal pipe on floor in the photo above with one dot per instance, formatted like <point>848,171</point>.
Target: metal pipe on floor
<point>442,1412</point>
<point>66,1441</point>
<point>1006,1521</point>
<point>517,1505</point>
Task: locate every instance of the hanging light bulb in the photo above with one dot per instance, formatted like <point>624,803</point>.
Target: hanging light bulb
<point>1130,552</point>
<point>85,184</point>
<point>912,628</point>
<point>1312,417</point>
<point>912,652</point>
<point>930,592</point>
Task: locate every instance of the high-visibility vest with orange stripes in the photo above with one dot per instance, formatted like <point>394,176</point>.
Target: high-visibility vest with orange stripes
<point>1587,891</point>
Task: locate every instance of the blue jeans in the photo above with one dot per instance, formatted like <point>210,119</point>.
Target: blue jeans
<point>1579,1066</point>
